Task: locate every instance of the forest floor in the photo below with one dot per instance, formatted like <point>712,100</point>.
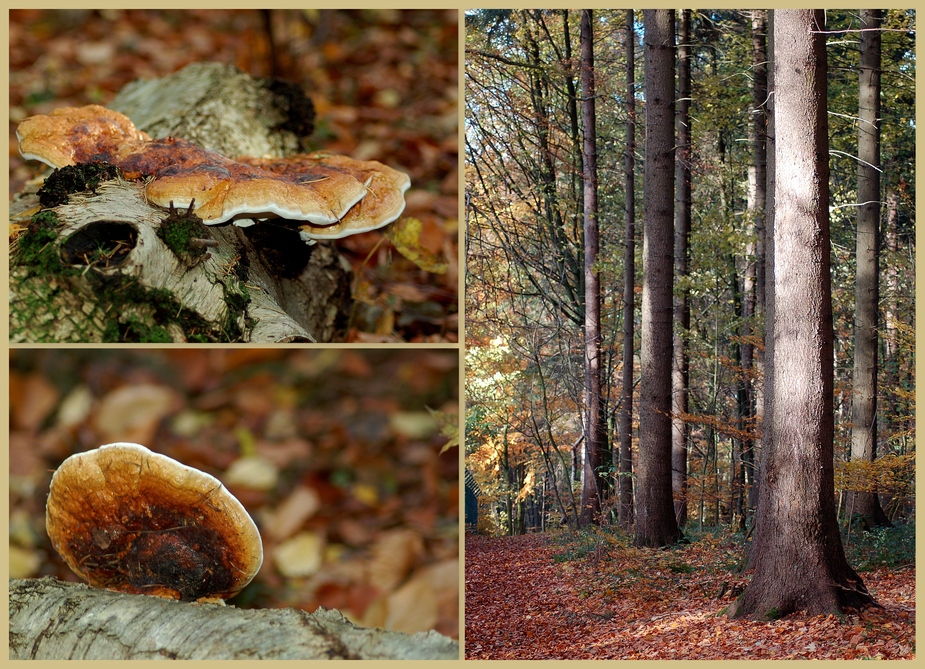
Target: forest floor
<point>595,597</point>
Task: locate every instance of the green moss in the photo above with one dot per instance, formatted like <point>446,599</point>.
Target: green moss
<point>140,314</point>
<point>74,179</point>
<point>130,312</point>
<point>35,247</point>
<point>177,232</point>
<point>771,614</point>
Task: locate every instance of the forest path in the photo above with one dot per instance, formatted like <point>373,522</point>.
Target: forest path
<point>627,603</point>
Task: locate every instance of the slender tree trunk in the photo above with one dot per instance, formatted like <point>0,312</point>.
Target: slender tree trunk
<point>799,562</point>
<point>864,394</point>
<point>753,285</point>
<point>629,282</point>
<point>572,97</point>
<point>766,406</point>
<point>890,312</point>
<point>596,434</point>
<point>682,311</point>
<point>655,519</point>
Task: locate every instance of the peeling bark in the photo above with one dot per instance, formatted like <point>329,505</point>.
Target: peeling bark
<point>53,620</point>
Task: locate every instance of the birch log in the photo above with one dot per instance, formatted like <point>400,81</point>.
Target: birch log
<point>53,620</point>
<point>297,293</point>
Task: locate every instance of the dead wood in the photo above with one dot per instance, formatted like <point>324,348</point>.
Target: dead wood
<point>53,620</point>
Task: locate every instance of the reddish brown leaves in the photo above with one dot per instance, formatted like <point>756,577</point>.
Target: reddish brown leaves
<point>624,603</point>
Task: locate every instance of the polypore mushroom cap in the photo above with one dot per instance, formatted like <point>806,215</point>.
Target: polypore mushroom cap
<point>127,519</point>
<point>74,135</point>
<point>335,195</point>
<point>223,189</point>
<point>384,189</point>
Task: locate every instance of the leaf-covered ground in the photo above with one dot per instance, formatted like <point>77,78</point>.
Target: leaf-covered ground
<point>529,598</point>
<point>384,84</point>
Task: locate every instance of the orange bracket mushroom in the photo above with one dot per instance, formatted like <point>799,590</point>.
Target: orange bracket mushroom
<point>333,195</point>
<point>127,519</point>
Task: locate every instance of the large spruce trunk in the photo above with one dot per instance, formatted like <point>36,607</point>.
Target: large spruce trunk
<point>798,558</point>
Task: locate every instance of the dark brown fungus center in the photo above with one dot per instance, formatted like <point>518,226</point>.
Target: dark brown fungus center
<point>134,521</point>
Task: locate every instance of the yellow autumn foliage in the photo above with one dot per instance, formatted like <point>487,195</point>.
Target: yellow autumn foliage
<point>892,474</point>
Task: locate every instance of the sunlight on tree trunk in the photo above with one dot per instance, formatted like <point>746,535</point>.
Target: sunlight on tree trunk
<point>798,558</point>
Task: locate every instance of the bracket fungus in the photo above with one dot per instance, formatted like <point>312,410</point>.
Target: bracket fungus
<point>127,519</point>
<point>331,196</point>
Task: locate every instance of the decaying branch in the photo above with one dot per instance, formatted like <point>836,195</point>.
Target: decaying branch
<point>53,620</point>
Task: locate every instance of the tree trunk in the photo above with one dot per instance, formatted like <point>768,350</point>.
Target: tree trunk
<point>596,433</point>
<point>765,407</point>
<point>52,620</point>
<point>655,519</point>
<point>629,282</point>
<point>864,394</point>
<point>798,558</point>
<point>754,275</point>
<point>682,312</point>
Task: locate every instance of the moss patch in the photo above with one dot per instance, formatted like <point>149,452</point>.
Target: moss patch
<point>141,315</point>
<point>180,230</point>
<point>35,246</point>
<point>75,179</point>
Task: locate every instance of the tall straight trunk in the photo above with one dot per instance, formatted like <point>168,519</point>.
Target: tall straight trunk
<point>765,409</point>
<point>753,284</point>
<point>867,296</point>
<point>655,520</point>
<point>629,281</point>
<point>596,433</point>
<point>682,310</point>
<point>891,310</point>
<point>572,97</point>
<point>799,562</point>
<point>758,132</point>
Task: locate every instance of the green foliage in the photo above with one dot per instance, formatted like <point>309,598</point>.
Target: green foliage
<point>882,547</point>
<point>592,541</point>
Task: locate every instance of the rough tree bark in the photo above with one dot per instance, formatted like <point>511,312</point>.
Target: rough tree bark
<point>594,400</point>
<point>680,370</point>
<point>867,285</point>
<point>297,292</point>
<point>798,558</point>
<point>655,519</point>
<point>753,277</point>
<point>629,282</point>
<point>765,406</point>
<point>52,620</point>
